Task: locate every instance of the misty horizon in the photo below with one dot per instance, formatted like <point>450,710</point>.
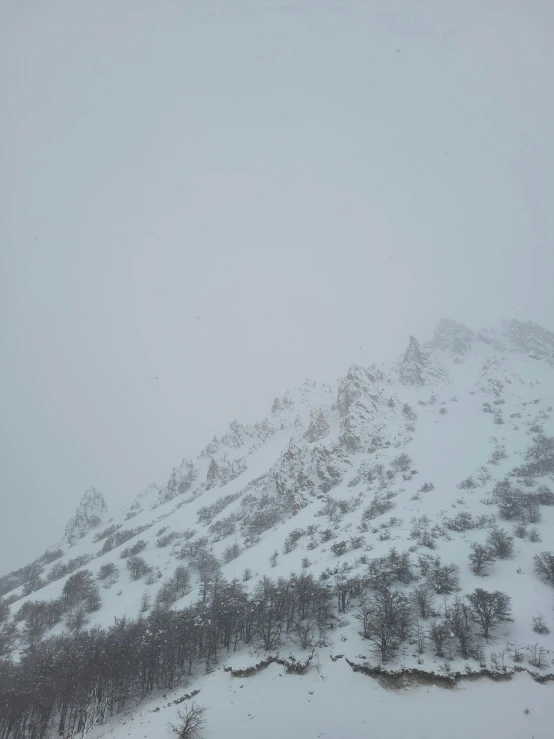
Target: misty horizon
<point>202,207</point>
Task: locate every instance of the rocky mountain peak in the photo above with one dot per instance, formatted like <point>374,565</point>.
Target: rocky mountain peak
<point>180,481</point>
<point>453,337</point>
<point>91,511</point>
<point>235,435</point>
<point>417,366</point>
<point>529,337</point>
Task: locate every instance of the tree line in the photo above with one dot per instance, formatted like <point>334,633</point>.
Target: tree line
<point>79,679</point>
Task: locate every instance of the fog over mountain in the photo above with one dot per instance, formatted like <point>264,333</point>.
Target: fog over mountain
<point>201,206</point>
<point>367,543</point>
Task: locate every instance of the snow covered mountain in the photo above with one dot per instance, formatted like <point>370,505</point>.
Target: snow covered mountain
<point>91,512</point>
<point>398,524</point>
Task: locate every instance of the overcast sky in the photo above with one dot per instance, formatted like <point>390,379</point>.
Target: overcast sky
<point>203,203</point>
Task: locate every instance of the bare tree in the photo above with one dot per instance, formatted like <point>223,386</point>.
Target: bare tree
<point>501,543</point>
<point>191,721</point>
<point>339,547</point>
<point>439,633</point>
<point>386,620</point>
<point>137,567</point>
<point>423,599</point>
<point>108,572</point>
<point>459,619</point>
<point>304,632</point>
<point>4,610</point>
<point>80,590</point>
<point>489,608</point>
<point>544,566</point>
<point>76,619</point>
<point>444,579</point>
<point>145,603</point>
<point>537,656</point>
<point>480,558</point>
<point>8,634</point>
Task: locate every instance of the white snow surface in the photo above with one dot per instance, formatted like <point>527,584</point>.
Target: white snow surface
<point>361,422</point>
<point>336,703</point>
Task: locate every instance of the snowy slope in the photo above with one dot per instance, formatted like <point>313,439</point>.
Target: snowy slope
<point>417,457</point>
<point>333,702</point>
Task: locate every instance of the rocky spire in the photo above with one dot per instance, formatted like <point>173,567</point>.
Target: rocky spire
<point>318,428</point>
<point>412,365</point>
<point>92,510</point>
<point>418,367</point>
<point>180,481</point>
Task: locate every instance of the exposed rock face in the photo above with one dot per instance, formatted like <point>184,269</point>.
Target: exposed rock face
<point>529,337</point>
<point>453,337</point>
<point>222,471</point>
<point>329,465</point>
<point>235,436</point>
<point>318,428</point>
<point>91,512</point>
<point>180,481</point>
<point>358,382</point>
<point>413,364</point>
<point>304,471</point>
<point>263,431</point>
<point>293,476</point>
<point>418,367</point>
<point>358,401</point>
<point>353,427</point>
<point>211,449</point>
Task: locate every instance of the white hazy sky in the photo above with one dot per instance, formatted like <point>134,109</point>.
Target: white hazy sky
<point>203,202</point>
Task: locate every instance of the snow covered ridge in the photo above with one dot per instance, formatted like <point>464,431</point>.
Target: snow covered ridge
<point>91,512</point>
<point>402,517</point>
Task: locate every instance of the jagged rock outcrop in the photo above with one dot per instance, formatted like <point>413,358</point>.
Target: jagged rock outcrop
<point>529,337</point>
<point>91,512</point>
<point>235,436</point>
<point>304,471</point>
<point>319,426</point>
<point>264,431</point>
<point>418,367</point>
<point>453,337</point>
<point>517,336</point>
<point>280,404</point>
<point>210,449</point>
<point>293,476</point>
<point>355,427</point>
<point>180,481</point>
<point>358,402</point>
<point>329,465</point>
<point>221,471</point>
<point>358,382</point>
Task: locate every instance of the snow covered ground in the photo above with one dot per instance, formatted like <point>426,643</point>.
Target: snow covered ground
<point>466,409</point>
<point>336,703</point>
